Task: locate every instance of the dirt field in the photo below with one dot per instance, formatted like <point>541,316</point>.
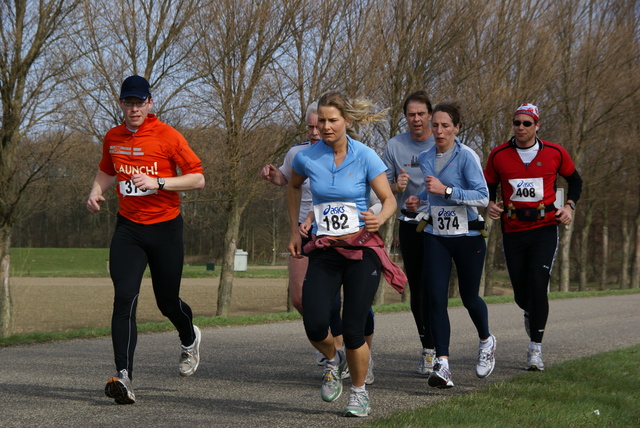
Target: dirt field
<point>58,304</point>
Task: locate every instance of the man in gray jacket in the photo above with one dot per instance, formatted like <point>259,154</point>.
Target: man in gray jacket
<point>405,177</point>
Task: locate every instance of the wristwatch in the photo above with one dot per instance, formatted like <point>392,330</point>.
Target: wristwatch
<point>448,192</point>
<point>571,205</point>
<point>160,183</point>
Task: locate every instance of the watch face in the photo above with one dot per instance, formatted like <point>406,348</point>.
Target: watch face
<point>161,180</point>
<point>448,190</point>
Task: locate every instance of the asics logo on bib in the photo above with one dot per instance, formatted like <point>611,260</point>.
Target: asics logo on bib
<point>333,210</point>
<point>445,213</point>
<point>528,184</point>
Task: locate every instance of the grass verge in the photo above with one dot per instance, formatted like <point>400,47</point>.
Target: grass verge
<point>577,393</point>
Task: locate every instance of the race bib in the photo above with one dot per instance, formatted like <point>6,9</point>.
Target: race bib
<point>449,220</point>
<point>128,189</point>
<point>527,189</point>
<point>336,218</point>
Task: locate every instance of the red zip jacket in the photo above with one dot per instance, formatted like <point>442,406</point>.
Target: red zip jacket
<point>155,149</point>
<point>505,168</point>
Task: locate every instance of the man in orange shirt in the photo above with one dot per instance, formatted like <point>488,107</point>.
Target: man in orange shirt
<point>140,157</point>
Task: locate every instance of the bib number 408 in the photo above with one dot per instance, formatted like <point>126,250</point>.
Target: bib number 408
<point>524,192</point>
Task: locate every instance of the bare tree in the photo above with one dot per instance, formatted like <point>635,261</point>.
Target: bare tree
<point>32,56</point>
<point>241,43</point>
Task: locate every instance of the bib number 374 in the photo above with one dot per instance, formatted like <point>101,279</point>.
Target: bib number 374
<point>449,220</point>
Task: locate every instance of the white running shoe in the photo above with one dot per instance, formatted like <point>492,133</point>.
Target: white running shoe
<point>190,356</point>
<point>440,377</point>
<point>331,387</point>
<point>368,380</point>
<point>119,388</point>
<point>486,359</point>
<point>358,404</point>
<point>425,366</point>
<point>534,359</point>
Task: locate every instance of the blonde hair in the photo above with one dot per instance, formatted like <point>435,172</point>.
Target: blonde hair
<point>358,112</point>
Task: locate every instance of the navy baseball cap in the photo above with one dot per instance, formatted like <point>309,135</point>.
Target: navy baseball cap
<point>135,86</point>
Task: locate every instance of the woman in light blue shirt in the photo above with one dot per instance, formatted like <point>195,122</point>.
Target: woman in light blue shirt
<point>341,172</point>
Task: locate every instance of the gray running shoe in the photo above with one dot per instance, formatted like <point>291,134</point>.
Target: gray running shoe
<point>331,387</point>
<point>320,359</point>
<point>486,359</point>
<point>440,377</point>
<point>346,374</point>
<point>368,380</point>
<point>358,404</point>
<point>534,359</point>
<point>425,366</point>
<point>119,388</point>
<point>190,356</point>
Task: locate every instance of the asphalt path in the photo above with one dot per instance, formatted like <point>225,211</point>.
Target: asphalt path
<point>266,375</point>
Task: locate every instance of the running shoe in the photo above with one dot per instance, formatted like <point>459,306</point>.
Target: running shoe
<point>534,359</point>
<point>190,356</point>
<point>119,388</point>
<point>368,380</point>
<point>320,359</point>
<point>486,359</point>
<point>527,328</point>
<point>358,404</point>
<point>440,377</point>
<point>425,366</point>
<point>331,382</point>
<point>346,374</point>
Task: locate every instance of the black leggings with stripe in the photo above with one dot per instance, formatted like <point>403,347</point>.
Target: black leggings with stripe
<point>133,246</point>
<point>530,255</point>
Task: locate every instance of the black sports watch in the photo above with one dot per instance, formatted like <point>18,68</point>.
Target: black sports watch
<point>160,183</point>
<point>448,192</point>
<point>571,205</point>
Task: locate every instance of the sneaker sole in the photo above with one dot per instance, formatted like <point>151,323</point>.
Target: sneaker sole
<point>438,382</point>
<point>534,369</point>
<point>116,390</point>
<point>353,413</point>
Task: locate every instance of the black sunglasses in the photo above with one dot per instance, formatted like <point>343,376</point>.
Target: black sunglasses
<point>526,123</point>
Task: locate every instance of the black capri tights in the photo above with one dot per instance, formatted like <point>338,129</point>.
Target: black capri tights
<point>327,271</point>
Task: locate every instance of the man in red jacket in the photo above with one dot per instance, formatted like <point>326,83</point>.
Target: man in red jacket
<point>526,169</point>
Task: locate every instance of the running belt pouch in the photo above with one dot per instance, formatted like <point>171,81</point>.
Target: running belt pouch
<point>528,214</point>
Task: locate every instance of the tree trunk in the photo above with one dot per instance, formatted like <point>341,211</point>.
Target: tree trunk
<point>228,256</point>
<point>635,278</point>
<point>565,256</point>
<point>605,251</point>
<point>626,248</point>
<point>493,231</point>
<point>584,248</point>
<point>5,296</point>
